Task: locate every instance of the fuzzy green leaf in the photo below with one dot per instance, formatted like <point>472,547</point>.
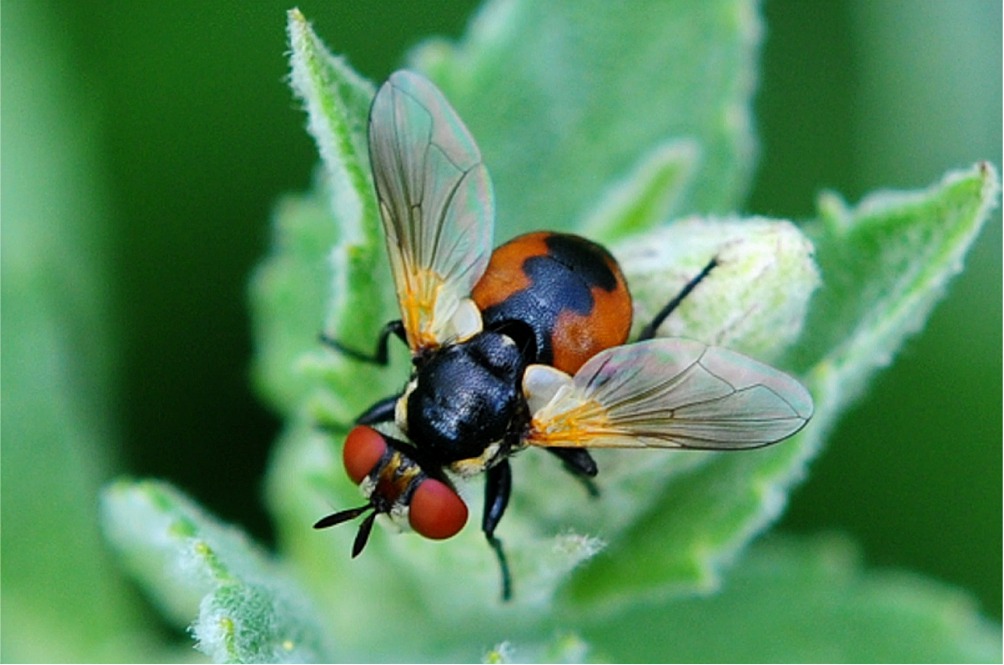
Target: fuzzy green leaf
<point>754,300</point>
<point>62,600</point>
<point>618,80</point>
<point>671,519</point>
<point>293,284</point>
<point>337,104</point>
<point>889,260</point>
<point>248,609</point>
<point>885,263</point>
<point>339,249</point>
<point>565,647</point>
<point>658,183</point>
<point>647,197</point>
<point>795,601</point>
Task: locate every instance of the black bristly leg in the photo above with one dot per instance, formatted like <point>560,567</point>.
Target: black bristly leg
<point>381,412</point>
<point>648,332</point>
<point>498,485</point>
<point>380,356</point>
<point>579,463</point>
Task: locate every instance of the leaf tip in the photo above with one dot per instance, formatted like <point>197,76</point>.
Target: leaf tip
<point>297,29</point>
<point>991,182</point>
<point>500,653</point>
<point>296,21</point>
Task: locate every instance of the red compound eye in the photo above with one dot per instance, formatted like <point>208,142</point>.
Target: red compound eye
<point>362,451</point>
<point>437,511</point>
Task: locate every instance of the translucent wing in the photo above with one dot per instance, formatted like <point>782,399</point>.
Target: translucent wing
<point>665,393</point>
<point>436,204</point>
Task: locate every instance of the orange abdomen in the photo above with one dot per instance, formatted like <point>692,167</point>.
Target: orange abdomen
<point>568,290</point>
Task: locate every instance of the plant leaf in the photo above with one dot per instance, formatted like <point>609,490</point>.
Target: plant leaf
<point>885,263</point>
<point>564,647</point>
<point>888,259</point>
<point>62,600</point>
<point>685,145</point>
<point>337,101</point>
<point>619,79</point>
<point>805,601</point>
<point>325,269</point>
<point>671,520</point>
<point>248,609</point>
<point>647,197</point>
<point>754,300</point>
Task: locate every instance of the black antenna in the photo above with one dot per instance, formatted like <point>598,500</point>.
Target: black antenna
<point>341,516</point>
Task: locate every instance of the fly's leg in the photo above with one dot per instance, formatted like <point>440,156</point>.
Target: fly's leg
<point>380,356</point>
<point>579,463</point>
<point>498,486</point>
<point>381,412</point>
<point>648,332</point>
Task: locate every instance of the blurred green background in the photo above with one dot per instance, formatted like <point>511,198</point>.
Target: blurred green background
<point>166,131</point>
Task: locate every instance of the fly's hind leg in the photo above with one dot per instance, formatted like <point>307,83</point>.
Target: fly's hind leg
<point>648,332</point>
<point>579,463</point>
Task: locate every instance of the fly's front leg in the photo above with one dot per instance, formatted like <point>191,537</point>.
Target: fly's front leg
<point>498,486</point>
<point>380,356</point>
<point>381,412</point>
